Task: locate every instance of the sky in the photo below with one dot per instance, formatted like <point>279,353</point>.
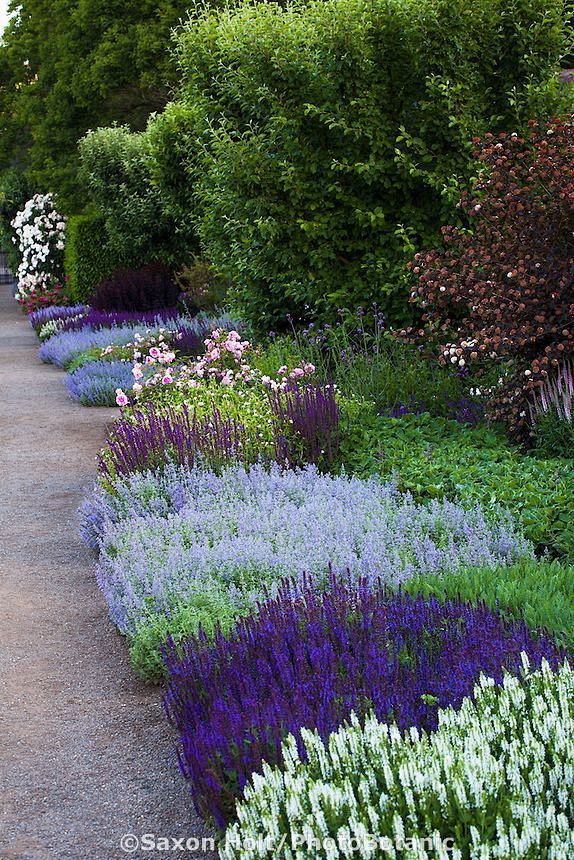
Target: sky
<point>3,14</point>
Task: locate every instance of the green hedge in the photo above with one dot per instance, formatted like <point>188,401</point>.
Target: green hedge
<point>321,140</point>
<point>116,168</point>
<point>88,259</point>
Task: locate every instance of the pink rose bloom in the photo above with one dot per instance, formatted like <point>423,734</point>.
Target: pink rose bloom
<point>154,352</point>
<point>282,370</point>
<point>297,373</point>
<point>121,398</point>
<point>137,387</point>
<point>228,378</point>
<point>166,380</point>
<point>309,368</point>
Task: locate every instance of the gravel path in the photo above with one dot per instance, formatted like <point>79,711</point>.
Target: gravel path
<point>86,754</point>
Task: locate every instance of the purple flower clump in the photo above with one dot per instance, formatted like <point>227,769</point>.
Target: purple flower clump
<point>308,660</point>
<point>95,383</point>
<point>306,425</point>
<point>55,312</point>
<point>62,348</point>
<point>463,409</point>
<point>556,394</point>
<point>95,320</point>
<point>155,437</point>
<point>164,535</point>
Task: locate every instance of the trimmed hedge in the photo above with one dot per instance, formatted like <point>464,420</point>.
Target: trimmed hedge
<point>320,141</point>
<point>88,258</point>
<point>115,164</point>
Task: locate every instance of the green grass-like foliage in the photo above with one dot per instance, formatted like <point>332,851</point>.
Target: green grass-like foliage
<point>542,592</point>
<point>494,779</point>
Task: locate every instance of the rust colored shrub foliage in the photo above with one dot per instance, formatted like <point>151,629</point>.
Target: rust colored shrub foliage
<point>504,290</point>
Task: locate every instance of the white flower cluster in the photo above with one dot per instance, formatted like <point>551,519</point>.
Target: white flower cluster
<point>40,236</point>
<point>495,780</point>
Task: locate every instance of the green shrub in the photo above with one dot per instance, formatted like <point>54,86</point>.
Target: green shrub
<point>319,142</point>
<point>171,145</point>
<point>202,287</point>
<point>494,780</point>
<point>542,592</point>
<point>89,260</point>
<point>115,165</point>
<point>435,457</point>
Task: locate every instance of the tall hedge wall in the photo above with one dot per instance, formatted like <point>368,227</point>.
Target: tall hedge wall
<point>319,141</point>
<point>88,258</point>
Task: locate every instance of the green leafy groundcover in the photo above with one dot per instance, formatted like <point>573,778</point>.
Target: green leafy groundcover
<point>434,457</point>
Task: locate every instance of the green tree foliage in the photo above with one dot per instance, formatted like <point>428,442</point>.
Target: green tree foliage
<point>333,135</point>
<point>14,192</point>
<point>70,65</point>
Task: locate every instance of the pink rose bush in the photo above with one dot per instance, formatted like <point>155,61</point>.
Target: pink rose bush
<point>228,361</point>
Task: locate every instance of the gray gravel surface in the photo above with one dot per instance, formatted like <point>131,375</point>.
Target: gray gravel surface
<point>86,754</point>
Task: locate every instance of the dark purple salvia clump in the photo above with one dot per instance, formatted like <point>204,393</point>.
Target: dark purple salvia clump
<point>106,319</point>
<point>465,410</point>
<point>190,340</point>
<point>307,659</point>
<point>144,289</point>
<point>54,313</point>
<point>152,438</point>
<point>413,407</point>
<point>306,425</point>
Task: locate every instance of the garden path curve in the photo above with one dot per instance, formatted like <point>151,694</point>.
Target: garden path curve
<point>86,754</point>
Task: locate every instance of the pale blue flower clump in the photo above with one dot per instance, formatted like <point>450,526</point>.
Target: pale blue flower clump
<point>160,535</point>
<point>64,347</point>
<point>95,383</point>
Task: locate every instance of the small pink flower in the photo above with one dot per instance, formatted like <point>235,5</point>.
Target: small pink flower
<point>309,368</point>
<point>121,398</point>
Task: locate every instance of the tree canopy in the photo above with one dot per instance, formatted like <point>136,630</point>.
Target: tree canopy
<point>67,66</point>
